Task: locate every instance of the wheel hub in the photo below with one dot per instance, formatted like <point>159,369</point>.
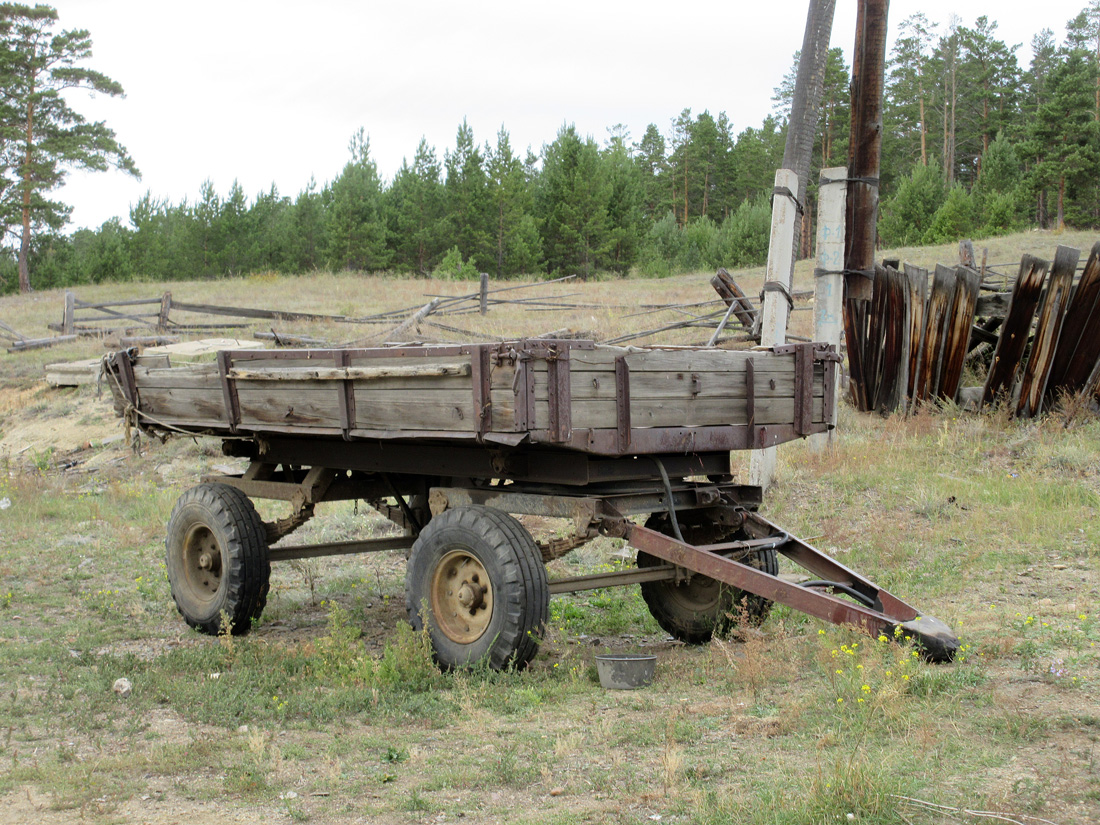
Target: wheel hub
<point>461,596</point>
<point>202,563</point>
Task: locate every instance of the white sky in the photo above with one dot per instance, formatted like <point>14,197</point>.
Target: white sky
<point>269,91</point>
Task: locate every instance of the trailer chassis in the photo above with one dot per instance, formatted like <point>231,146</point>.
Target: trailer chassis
<point>470,560</point>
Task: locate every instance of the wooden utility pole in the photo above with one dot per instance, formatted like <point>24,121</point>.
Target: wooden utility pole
<point>864,158</point>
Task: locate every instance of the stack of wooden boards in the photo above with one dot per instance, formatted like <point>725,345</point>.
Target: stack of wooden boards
<point>911,342</point>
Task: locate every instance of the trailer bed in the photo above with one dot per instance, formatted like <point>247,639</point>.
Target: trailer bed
<point>573,395</point>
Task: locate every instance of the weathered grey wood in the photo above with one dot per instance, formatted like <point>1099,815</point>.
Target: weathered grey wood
<point>143,341</point>
<point>69,316</point>
<point>966,254</point>
<point>132,302</point>
<point>291,340</point>
<point>247,312</point>
<point>165,310</point>
<point>348,373</point>
<point>1017,327</point>
<point>1048,329</point>
<point>17,336</point>
<point>40,343</point>
<point>656,386</point>
<point>688,359</point>
<point>734,297</point>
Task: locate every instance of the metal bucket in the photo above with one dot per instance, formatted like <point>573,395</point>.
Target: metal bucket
<point>625,671</point>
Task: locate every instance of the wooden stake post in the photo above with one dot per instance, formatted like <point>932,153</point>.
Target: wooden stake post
<point>777,294</point>
<point>829,276</point>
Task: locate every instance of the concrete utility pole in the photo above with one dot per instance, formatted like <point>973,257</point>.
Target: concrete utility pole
<point>828,277</point>
<point>789,196</point>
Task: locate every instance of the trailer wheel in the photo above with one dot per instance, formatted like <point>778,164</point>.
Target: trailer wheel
<point>476,581</point>
<point>216,554</point>
<point>695,610</point>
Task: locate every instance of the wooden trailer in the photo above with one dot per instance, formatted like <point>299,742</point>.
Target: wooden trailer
<point>451,442</point>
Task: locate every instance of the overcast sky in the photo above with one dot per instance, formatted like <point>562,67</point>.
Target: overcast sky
<point>270,92</point>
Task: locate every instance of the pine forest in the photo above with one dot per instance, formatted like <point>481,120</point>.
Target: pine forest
<point>975,144</point>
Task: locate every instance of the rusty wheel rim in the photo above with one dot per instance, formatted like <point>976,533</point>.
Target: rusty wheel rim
<point>461,597</point>
<point>202,563</point>
<point>699,595</point>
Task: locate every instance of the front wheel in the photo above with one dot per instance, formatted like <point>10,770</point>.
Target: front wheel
<point>476,581</point>
<point>217,560</point>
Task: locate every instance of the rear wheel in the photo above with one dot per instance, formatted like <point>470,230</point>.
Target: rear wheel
<point>693,611</point>
<point>477,583</point>
<point>216,555</point>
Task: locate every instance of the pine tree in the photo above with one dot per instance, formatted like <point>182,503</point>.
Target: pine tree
<point>649,156</point>
<point>357,235</point>
<point>416,211</point>
<point>516,238</point>
<point>910,95</point>
<point>46,136</point>
<point>469,207</point>
<point>572,201</point>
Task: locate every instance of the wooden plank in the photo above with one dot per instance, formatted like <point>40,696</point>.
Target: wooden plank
<point>73,373</point>
<point>69,317</point>
<point>940,298</point>
<point>265,373</point>
<point>248,312</point>
<point>966,254</point>
<point>730,292</point>
<point>185,407</point>
<point>1048,329</point>
<point>1079,344</point>
<point>1017,327</point>
<point>685,360</point>
<point>918,300</point>
<point>967,285</point>
<point>40,343</point>
<point>705,412</point>
<point>656,386</point>
<point>896,347</point>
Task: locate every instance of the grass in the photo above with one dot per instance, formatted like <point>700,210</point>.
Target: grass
<point>331,710</point>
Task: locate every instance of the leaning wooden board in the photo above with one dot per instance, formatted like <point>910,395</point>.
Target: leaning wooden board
<point>569,394</point>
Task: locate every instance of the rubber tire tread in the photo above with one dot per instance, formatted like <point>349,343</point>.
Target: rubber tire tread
<point>246,575</point>
<point>690,629</point>
<point>522,590</point>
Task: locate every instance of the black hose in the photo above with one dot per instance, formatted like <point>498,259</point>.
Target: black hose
<point>668,494</point>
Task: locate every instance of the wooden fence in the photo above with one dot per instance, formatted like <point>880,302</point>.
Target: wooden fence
<point>1031,343</point>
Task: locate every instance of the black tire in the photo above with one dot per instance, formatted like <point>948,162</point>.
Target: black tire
<point>477,582</point>
<point>216,554</point>
<point>696,610</point>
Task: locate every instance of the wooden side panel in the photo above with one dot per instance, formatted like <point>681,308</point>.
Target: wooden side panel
<point>1079,344</point>
<point>1016,328</point>
<point>1048,329</point>
<point>918,300</point>
<point>940,299</point>
<point>959,322</point>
